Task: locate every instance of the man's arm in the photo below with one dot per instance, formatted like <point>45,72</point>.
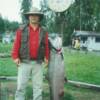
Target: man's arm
<point>16,47</point>
<point>47,51</point>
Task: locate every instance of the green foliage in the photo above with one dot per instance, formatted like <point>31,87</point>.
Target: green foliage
<point>81,15</point>
<point>11,26</point>
<point>6,25</point>
<point>25,7</point>
<point>5,48</point>
<point>29,93</point>
<point>1,25</point>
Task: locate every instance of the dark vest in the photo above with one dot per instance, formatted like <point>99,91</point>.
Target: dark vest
<point>24,49</point>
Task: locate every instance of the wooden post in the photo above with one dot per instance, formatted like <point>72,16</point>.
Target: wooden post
<point>84,85</point>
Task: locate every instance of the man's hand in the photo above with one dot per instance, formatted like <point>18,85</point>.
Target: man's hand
<point>17,61</point>
<point>46,62</point>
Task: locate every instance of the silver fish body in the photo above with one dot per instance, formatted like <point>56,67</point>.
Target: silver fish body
<point>56,76</point>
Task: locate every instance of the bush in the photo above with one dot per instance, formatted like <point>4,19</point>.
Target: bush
<point>29,93</point>
<point>5,48</point>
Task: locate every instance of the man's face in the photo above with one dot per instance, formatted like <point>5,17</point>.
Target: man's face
<point>34,19</point>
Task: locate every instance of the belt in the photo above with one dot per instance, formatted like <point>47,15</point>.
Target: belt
<point>33,59</point>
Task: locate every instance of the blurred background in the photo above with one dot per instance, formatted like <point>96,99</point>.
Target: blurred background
<point>79,26</point>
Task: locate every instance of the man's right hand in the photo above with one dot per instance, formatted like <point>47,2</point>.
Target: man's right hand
<point>17,61</point>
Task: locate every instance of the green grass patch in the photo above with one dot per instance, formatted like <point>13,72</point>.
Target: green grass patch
<point>79,66</point>
<point>82,94</point>
<point>7,67</point>
<point>5,48</point>
<point>82,67</point>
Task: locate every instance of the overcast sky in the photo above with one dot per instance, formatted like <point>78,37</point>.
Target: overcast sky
<point>11,9</point>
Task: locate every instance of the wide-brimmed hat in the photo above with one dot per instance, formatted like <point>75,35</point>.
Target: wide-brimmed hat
<point>34,11</point>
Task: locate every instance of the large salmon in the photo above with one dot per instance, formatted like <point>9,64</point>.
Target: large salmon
<point>56,69</point>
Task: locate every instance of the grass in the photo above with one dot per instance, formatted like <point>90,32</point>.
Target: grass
<point>79,66</point>
<point>82,67</point>
<point>5,48</point>
<point>7,67</point>
<point>71,93</point>
<point>82,94</point>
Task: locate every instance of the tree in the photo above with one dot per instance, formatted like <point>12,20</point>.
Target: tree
<point>25,7</point>
<point>2,27</point>
<point>10,25</point>
<point>55,22</point>
<point>13,26</point>
<point>96,15</point>
<point>47,21</point>
<point>81,15</point>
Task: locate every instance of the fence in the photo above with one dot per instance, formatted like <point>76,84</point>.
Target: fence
<point>7,84</point>
<point>7,89</point>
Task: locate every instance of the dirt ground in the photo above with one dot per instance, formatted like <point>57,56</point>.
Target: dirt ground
<point>7,92</point>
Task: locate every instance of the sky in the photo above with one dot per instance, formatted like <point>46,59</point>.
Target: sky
<point>10,9</point>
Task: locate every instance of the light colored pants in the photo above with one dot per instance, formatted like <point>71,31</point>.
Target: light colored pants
<point>24,71</point>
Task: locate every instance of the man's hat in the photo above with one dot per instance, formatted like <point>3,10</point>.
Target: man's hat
<point>34,11</point>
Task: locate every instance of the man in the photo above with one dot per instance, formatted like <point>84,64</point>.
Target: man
<point>29,51</point>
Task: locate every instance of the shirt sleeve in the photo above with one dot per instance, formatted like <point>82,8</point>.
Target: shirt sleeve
<point>16,45</point>
<point>47,51</point>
